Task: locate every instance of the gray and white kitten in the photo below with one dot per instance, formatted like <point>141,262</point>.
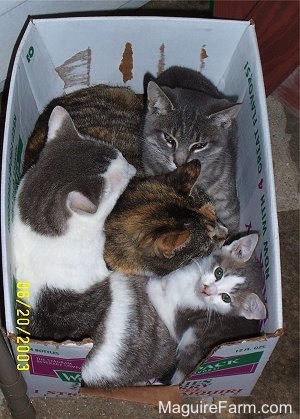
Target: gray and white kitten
<point>162,327</point>
<point>188,118</point>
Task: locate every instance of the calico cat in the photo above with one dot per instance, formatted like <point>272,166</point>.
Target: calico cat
<point>160,223</point>
<point>68,215</point>
<point>162,327</point>
<point>188,118</point>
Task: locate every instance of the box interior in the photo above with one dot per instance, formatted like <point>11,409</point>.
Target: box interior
<point>92,52</point>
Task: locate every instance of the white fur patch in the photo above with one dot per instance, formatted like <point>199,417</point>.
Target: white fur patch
<point>173,291</point>
<point>104,363</point>
<point>73,261</point>
<point>116,178</point>
<point>225,285</point>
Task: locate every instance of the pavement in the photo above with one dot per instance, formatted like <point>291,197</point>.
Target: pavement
<point>279,382</point>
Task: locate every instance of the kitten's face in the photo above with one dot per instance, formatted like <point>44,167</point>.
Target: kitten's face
<point>158,226</point>
<point>175,133</point>
<point>224,285</point>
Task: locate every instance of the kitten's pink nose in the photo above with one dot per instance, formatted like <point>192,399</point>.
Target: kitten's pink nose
<point>209,290</point>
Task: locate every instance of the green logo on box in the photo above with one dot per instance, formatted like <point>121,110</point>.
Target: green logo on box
<point>69,376</point>
<point>232,362</point>
<point>15,173</point>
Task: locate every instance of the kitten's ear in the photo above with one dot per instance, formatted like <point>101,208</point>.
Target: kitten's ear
<point>253,308</point>
<point>225,117</point>
<point>158,101</point>
<point>184,177</point>
<point>165,244</point>
<point>60,120</point>
<point>79,203</point>
<point>243,248</point>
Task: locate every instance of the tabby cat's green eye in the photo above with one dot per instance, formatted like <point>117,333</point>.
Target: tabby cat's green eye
<point>218,272</point>
<point>226,298</point>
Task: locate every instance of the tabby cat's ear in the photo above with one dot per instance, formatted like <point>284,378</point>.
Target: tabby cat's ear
<point>166,244</point>
<point>158,101</point>
<point>253,308</point>
<point>184,177</point>
<point>225,117</point>
<point>243,248</point>
<point>79,203</point>
<point>60,120</point>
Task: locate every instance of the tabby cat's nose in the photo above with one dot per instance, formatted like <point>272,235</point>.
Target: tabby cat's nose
<point>180,158</point>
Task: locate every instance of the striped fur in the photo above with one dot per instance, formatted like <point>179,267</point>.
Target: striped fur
<point>188,118</point>
<point>111,114</point>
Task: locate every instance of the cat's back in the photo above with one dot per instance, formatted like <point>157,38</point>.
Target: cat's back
<point>61,205</point>
<point>62,314</point>
<point>110,114</point>
<point>186,78</point>
<point>134,345</point>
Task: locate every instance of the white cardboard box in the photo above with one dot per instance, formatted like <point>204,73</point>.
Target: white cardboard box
<point>13,15</point>
<point>60,55</point>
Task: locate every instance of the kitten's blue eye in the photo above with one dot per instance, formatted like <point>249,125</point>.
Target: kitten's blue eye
<point>170,140</point>
<point>226,297</point>
<point>198,146</point>
<point>218,272</point>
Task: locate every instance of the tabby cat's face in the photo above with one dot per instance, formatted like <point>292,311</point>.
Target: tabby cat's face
<point>176,131</point>
<point>158,225</point>
<point>179,137</point>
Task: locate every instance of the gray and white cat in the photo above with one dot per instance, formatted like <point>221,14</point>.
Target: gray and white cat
<point>163,326</point>
<point>61,206</point>
<point>188,118</point>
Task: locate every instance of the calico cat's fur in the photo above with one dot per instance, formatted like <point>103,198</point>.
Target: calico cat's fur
<point>60,225</point>
<point>106,113</point>
<point>164,326</point>
<point>161,223</point>
<point>189,118</point>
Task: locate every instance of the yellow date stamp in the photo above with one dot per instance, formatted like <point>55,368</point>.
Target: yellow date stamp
<point>23,322</point>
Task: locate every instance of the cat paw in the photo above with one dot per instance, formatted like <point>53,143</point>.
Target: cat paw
<point>209,212</point>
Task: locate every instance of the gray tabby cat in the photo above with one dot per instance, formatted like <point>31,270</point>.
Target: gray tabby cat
<point>189,118</point>
<point>162,327</point>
